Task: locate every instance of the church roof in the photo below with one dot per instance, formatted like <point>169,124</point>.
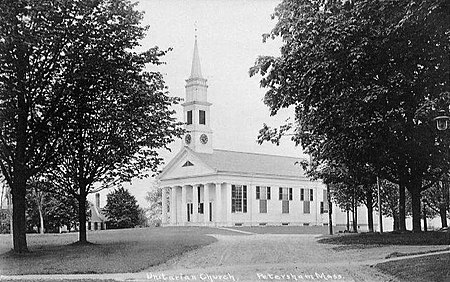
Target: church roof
<point>252,163</point>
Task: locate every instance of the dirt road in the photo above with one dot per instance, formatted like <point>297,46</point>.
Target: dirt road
<point>268,257</point>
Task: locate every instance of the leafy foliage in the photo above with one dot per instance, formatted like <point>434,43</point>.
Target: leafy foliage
<point>122,209</point>
<point>365,78</point>
<point>57,207</point>
<point>154,210</point>
<point>76,101</point>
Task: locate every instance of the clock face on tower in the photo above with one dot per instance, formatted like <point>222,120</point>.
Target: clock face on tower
<point>204,138</point>
<point>187,139</point>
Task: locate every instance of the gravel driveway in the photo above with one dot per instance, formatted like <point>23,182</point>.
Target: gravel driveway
<point>268,257</point>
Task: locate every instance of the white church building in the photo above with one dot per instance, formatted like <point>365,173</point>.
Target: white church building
<point>209,187</point>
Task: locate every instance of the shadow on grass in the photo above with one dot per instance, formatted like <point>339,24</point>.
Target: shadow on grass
<point>421,269</point>
<point>113,251</point>
<point>389,238</point>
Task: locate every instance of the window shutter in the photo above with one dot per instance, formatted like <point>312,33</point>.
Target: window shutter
<point>280,196</point>
<point>268,193</point>
<point>202,117</point>
<point>244,199</point>
<point>257,192</point>
<point>302,194</point>
<point>311,195</point>
<point>233,198</point>
<point>189,117</point>
<point>290,194</point>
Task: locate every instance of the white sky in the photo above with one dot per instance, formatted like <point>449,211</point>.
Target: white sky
<point>229,41</point>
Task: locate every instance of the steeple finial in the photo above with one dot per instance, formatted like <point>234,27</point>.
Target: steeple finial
<point>195,27</point>
<point>196,71</point>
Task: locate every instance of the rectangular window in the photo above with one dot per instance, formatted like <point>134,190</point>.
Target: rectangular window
<point>262,194</point>
<point>189,117</point>
<point>306,207</point>
<point>238,198</point>
<point>285,206</point>
<point>200,208</point>
<point>202,117</point>
<point>263,206</point>
<point>302,194</point>
<point>311,195</point>
<point>285,194</point>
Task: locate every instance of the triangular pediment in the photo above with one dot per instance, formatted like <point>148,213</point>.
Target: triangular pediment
<point>185,164</point>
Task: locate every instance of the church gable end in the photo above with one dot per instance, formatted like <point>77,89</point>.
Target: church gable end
<point>185,164</point>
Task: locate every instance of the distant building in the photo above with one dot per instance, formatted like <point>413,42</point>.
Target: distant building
<point>97,219</point>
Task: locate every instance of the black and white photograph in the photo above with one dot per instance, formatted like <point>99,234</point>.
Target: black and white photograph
<point>225,140</point>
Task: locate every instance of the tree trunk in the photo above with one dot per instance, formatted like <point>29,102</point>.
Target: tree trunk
<point>19,220</point>
<point>425,228</point>
<point>19,173</point>
<point>402,208</point>
<point>370,218</point>
<point>369,210</point>
<point>354,215</point>
<point>369,205</point>
<point>82,215</point>
<point>396,222</point>
<point>443,215</point>
<point>414,189</point>
<point>41,219</point>
<point>348,219</point>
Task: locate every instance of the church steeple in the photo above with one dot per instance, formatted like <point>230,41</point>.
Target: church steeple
<point>196,70</point>
<point>197,109</point>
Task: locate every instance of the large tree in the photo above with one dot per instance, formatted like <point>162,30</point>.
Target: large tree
<point>73,95</point>
<point>121,114</point>
<point>35,42</point>
<point>363,76</point>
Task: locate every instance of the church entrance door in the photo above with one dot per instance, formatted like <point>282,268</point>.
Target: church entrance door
<point>189,209</point>
<point>210,211</point>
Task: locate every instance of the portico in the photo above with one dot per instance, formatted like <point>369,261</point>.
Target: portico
<point>198,204</point>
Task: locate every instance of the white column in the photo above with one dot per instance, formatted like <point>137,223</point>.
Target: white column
<point>164,206</point>
<point>183,204</point>
<point>228,202</point>
<point>206,203</point>
<point>250,197</point>
<point>173,206</point>
<point>218,203</point>
<point>195,202</point>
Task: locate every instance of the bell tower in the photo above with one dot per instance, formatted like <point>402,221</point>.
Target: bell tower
<point>197,109</point>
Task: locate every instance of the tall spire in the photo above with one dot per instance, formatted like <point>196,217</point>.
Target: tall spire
<point>196,71</point>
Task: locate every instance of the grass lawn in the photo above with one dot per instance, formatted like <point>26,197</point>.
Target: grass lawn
<point>428,268</point>
<point>287,229</point>
<point>422,269</point>
<point>112,251</point>
<point>390,238</point>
